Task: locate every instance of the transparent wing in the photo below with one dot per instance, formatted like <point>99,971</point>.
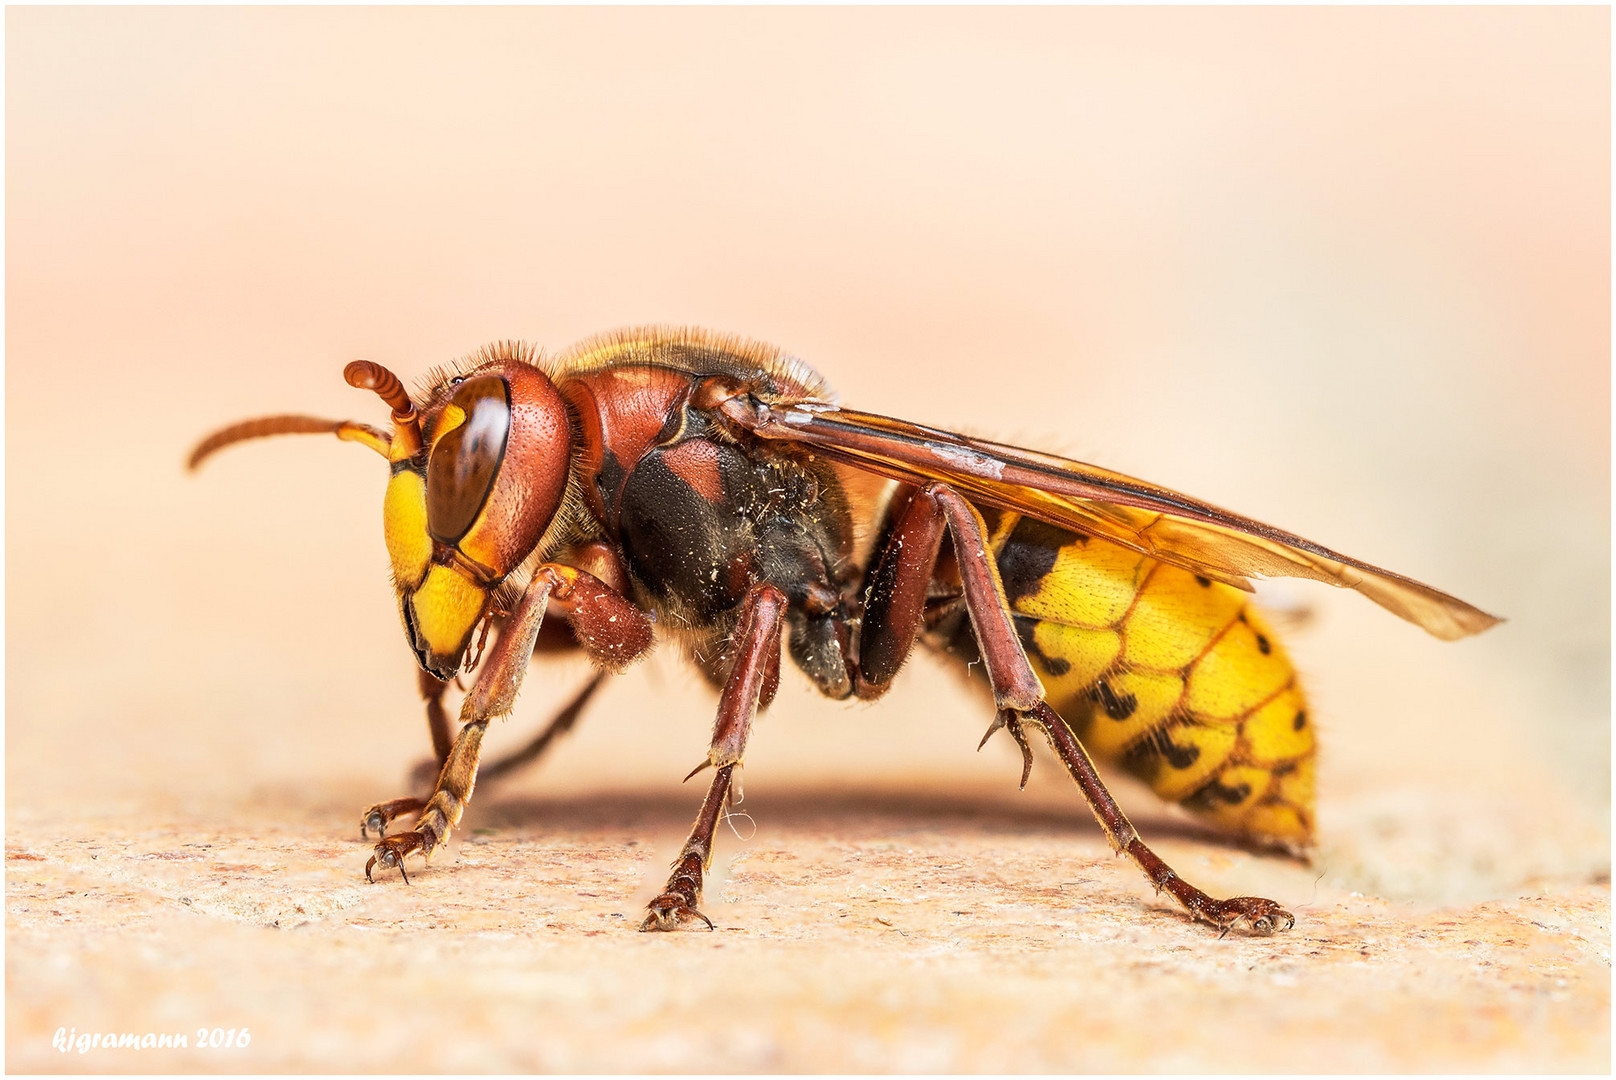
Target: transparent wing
<point>1152,520</point>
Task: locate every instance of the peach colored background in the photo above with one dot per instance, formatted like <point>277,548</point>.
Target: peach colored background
<point>1344,270</point>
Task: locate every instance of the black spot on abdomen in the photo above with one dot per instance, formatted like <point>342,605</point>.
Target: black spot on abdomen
<point>1215,794</point>
<point>1055,665</point>
<point>1117,706</point>
<point>1159,744</point>
<point>1029,555</point>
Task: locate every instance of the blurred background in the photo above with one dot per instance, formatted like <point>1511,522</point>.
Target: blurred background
<point>1347,271</point>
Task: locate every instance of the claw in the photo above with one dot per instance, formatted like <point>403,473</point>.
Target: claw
<point>670,911</point>
<point>373,820</point>
<point>390,853</point>
<point>1253,914</point>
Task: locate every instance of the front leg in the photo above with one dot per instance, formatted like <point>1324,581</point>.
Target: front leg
<point>383,814</point>
<point>378,817</point>
<point>442,811</point>
<point>757,657</point>
<point>627,634</point>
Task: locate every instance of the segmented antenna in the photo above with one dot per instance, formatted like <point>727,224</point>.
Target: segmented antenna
<point>257,429</point>
<point>368,375</point>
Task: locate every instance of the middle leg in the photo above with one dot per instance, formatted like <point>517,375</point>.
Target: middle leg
<point>561,723</point>
<point>757,656</point>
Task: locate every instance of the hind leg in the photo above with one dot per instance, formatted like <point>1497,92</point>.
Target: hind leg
<point>894,609</point>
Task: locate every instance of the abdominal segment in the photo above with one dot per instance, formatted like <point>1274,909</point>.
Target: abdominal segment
<point>1174,676</point>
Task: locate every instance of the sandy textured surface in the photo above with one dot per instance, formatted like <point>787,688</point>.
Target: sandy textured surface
<point>1343,270</point>
<point>896,932</point>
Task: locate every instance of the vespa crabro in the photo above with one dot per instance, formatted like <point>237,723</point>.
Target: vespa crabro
<point>666,483</point>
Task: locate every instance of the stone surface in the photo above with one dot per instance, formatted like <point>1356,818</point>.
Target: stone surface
<point>894,931</point>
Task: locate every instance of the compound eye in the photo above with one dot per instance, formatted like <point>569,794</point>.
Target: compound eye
<point>466,456</point>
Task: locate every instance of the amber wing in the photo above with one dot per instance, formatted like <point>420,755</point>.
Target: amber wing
<point>1152,520</point>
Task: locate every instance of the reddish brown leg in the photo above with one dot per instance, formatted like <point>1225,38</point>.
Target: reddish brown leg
<point>383,814</point>
<point>895,593</point>
<point>677,905</point>
<point>495,691</point>
<point>896,599</point>
<point>758,651</point>
<point>1251,913</point>
<point>437,720</point>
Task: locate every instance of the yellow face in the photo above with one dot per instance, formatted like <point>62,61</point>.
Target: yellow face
<point>434,518</point>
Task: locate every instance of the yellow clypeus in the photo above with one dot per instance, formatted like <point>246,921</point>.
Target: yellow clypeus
<point>409,545</point>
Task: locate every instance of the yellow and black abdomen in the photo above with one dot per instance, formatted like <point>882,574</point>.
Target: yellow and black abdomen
<point>1172,675</point>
